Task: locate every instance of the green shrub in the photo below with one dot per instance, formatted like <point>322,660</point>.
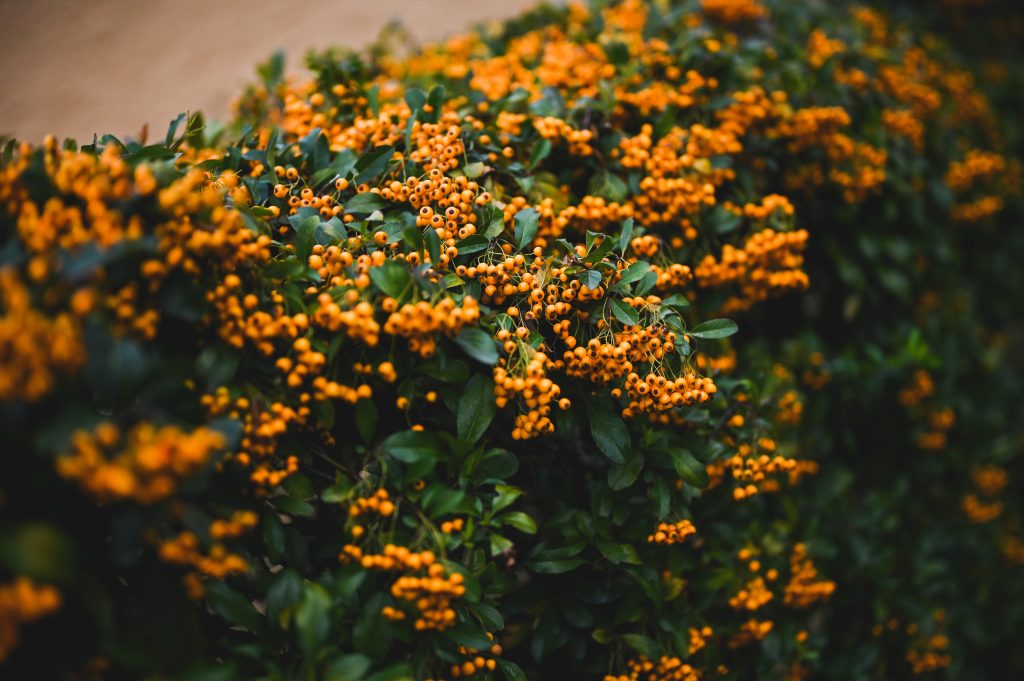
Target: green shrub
<point>665,340</point>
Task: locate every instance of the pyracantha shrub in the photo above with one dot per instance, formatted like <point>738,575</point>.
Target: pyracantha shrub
<point>631,341</point>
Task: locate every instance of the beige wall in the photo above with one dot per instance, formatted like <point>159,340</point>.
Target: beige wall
<point>74,67</point>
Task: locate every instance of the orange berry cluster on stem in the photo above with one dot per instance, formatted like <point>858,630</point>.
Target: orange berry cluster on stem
<point>21,602</point>
<point>432,597</point>
<point>672,533</point>
<point>666,668</point>
<point>148,461</point>
<point>804,588</point>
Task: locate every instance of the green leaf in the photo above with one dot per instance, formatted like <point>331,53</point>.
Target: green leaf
<point>284,269</point>
<point>473,243</point>
<point>597,251</point>
<point>283,593</point>
<point>634,272</point>
<point>411,446</point>
<point>440,500</point>
<point>568,247</point>
<point>390,277</point>
<point>608,429</point>
<point>676,300</point>
<point>511,670</point>
<point>500,544</point>
<point>373,163</point>
<point>520,521</point>
<point>296,507</point>
<point>173,128</point>
<point>492,619</point>
<point>476,408</point>
<point>526,226</point>
<point>304,234</point>
<point>555,567</point>
<point>341,165</point>
<point>415,98</point>
<point>373,99</point>
<point>366,419</point>
<point>724,221</point>
<point>643,645</point>
<point>38,550</point>
<point>299,485</point>
<point>661,497</point>
<point>623,475</point>
<point>609,186</point>
<point>272,70</point>
<point>492,221</point>
<point>233,606</point>
<point>312,617</point>
<point>618,553</point>
<point>626,235</point>
<point>626,314</point>
<point>413,238</point>
<point>365,203</point>
<point>451,280</point>
<point>315,147</point>
<point>646,283</point>
<point>445,368</point>
<point>497,464</point>
<point>689,468</point>
<point>617,52</point>
<point>348,668</point>
<point>396,672</point>
<point>152,151</point>
<point>507,494</point>
<point>436,100</point>
<point>559,552</point>
<point>433,243</point>
<point>475,170</point>
<point>540,152</point>
<point>591,279</point>
<point>470,635</point>
<point>714,328</point>
<point>479,345</point>
<point>273,535</point>
<point>337,493</point>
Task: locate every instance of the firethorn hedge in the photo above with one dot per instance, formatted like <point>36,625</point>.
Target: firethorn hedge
<point>631,341</point>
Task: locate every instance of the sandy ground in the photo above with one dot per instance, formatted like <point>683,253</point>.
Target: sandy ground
<point>75,67</point>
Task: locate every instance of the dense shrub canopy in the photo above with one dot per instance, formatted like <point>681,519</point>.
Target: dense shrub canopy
<point>668,340</point>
